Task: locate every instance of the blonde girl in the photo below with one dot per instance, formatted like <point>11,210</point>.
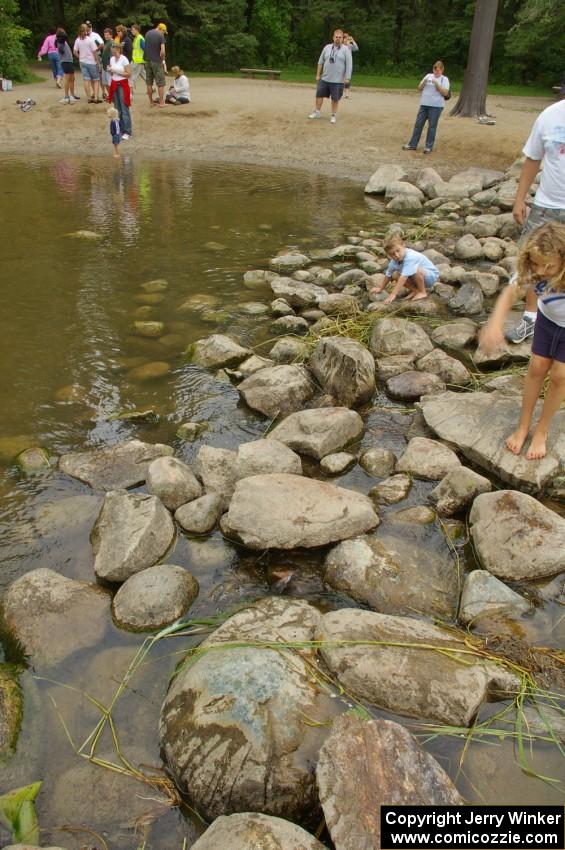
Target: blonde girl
<point>541,265</point>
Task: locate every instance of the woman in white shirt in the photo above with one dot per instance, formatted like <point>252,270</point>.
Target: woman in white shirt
<point>179,92</point>
<point>434,88</point>
<point>86,50</point>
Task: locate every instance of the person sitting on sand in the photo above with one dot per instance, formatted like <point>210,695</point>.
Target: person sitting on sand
<point>407,268</point>
<point>179,92</point>
<point>541,265</point>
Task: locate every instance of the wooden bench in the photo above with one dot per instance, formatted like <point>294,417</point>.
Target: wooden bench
<point>260,72</point>
<point>557,92</point>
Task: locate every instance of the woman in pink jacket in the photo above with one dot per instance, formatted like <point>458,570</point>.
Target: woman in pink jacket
<point>49,49</point>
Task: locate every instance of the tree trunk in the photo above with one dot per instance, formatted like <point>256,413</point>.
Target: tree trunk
<point>472,98</point>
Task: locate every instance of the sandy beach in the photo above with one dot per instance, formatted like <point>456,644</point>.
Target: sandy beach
<point>264,122</point>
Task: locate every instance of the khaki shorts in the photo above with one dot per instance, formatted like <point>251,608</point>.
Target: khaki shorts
<point>155,73</point>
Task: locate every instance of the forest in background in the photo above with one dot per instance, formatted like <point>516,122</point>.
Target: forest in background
<point>395,37</point>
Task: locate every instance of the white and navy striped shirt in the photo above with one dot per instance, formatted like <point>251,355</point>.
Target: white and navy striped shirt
<point>551,302</point>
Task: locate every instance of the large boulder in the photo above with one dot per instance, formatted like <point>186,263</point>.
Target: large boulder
<point>345,369</point>
<point>132,532</point>
<point>399,336</point>
<point>427,459</point>
<point>264,456</point>
<point>408,666</point>
<point>297,293</point>
<point>319,432</point>
<point>380,178</point>
<point>516,537</point>
<point>277,390</point>
<point>366,764</point>
<point>43,608</point>
<point>154,597</point>
<point>247,830</point>
<point>217,351</point>
<point>116,467</point>
<point>279,511</point>
<point>173,482</point>
<point>477,424</point>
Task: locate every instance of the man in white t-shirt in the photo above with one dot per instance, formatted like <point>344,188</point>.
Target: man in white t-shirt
<point>546,142</point>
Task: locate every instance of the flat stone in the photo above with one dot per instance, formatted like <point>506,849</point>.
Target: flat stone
<point>366,764</point>
<point>345,369</point>
<point>116,467</point>
<point>132,532</point>
<point>157,285</point>
<point>281,511</point>
<point>155,597</point>
<point>42,608</point>
<point>455,335</point>
<point>173,482</point>
<point>484,594</point>
<point>201,515</point>
<point>414,515</point>
<point>264,833</point>
<point>265,456</point>
<point>337,463</point>
<point>391,490</point>
<point>457,491</point>
<point>477,424</point>
<point>216,351</point>
<point>297,293</point>
<point>277,390</point>
<point>412,385</point>
<point>319,432</point>
<point>427,459</point>
<point>516,537</point>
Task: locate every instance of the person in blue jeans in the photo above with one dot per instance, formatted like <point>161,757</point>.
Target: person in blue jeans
<point>434,88</point>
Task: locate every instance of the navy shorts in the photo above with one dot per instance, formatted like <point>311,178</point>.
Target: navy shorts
<point>116,140</point>
<point>549,339</point>
<point>332,90</point>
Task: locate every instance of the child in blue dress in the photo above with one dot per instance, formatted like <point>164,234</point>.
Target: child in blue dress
<point>115,131</point>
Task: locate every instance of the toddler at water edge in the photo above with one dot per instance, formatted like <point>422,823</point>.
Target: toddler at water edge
<point>115,132</point>
<point>407,268</point>
<point>541,265</point>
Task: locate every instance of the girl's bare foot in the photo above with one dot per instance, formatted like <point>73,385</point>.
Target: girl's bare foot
<point>418,296</point>
<point>538,447</point>
<point>116,156</point>
<point>516,440</point>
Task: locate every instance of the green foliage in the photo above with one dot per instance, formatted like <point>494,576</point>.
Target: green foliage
<point>17,813</point>
<point>536,42</point>
<point>13,61</point>
<point>270,23</point>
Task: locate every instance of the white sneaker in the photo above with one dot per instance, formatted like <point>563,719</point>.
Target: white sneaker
<point>126,137</point>
<point>72,99</point>
<point>315,114</point>
<point>333,119</point>
<point>64,100</point>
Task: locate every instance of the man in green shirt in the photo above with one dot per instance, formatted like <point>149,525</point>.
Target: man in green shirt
<point>105,59</point>
<point>137,62</point>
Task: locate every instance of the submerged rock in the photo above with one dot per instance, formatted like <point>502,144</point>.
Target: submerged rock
<point>281,511</point>
<point>485,594</point>
<point>216,351</point>
<point>345,369</point>
<point>154,597</point>
<point>391,490</point>
<point>149,371</point>
<point>319,432</point>
<point>257,831</point>
<point>277,390</point>
<point>34,459</point>
<point>115,467</point>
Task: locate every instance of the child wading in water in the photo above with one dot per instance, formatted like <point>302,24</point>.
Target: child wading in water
<point>408,269</point>
<point>541,265</point>
<point>115,131</point>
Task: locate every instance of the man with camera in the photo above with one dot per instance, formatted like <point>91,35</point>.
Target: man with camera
<point>334,70</point>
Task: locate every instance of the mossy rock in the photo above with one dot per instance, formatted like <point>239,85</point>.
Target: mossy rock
<point>34,459</point>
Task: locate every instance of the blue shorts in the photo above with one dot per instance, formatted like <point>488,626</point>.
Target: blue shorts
<point>89,72</point>
<point>332,90</point>
<point>549,339</point>
<point>430,278</point>
<point>116,140</point>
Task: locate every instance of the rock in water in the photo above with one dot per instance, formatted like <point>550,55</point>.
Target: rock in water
<point>217,351</point>
<point>154,597</point>
<point>257,831</point>
<point>319,432</point>
<point>133,532</point>
<point>121,466</point>
<point>173,482</point>
<point>264,456</point>
<point>280,511</point>
<point>277,390</point>
<point>485,594</point>
<point>366,764</point>
<point>427,459</point>
<point>345,369</point>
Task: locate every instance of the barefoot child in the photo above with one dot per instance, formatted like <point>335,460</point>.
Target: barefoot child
<point>115,132</point>
<point>541,265</point>
<point>408,269</point>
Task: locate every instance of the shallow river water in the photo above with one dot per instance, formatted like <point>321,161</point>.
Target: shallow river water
<point>67,352</point>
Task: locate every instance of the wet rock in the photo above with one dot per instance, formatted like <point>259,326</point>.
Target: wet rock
<point>87,235</point>
<point>389,367</point>
<point>252,365</point>
<point>288,263</point>
<point>391,490</point>
<point>132,532</point>
<point>149,416</point>
<point>478,425</point>
<point>216,724</point>
<point>215,468</point>
<point>457,491</point>
<point>412,385</point>
<point>297,293</point>
<point>386,573</point>
<point>516,537</point>
<point>366,764</point>
<point>468,248</point>
<point>265,456</point>
<point>190,431</point>
<point>485,594</point>
<point>149,372</point>
<point>380,178</point>
<point>427,459</point>
<point>339,304</point>
<point>154,598</point>
<point>399,336</point>
<point>378,462</point>
<point>350,276</point>
<point>449,369</point>
<point>173,482</point>
<point>216,351</point>
<point>404,203</point>
<point>271,619</point>
<point>338,463</point>
<point>451,191</point>
<point>345,369</point>
<point>150,298</point>
<point>286,351</point>
<point>280,511</point>
<point>11,709</point>
<point>277,390</point>
<point>414,515</point>
<point>468,301</point>
<point>264,833</point>
<point>42,608</point>
<point>116,467</point>
<point>34,459</point>
<point>73,393</point>
<point>201,515</point>
<point>157,285</point>
<point>257,277</point>
<point>455,335</point>
<point>410,680</point>
<point>279,307</point>
<point>319,432</point>
<point>290,325</point>
<point>151,330</point>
